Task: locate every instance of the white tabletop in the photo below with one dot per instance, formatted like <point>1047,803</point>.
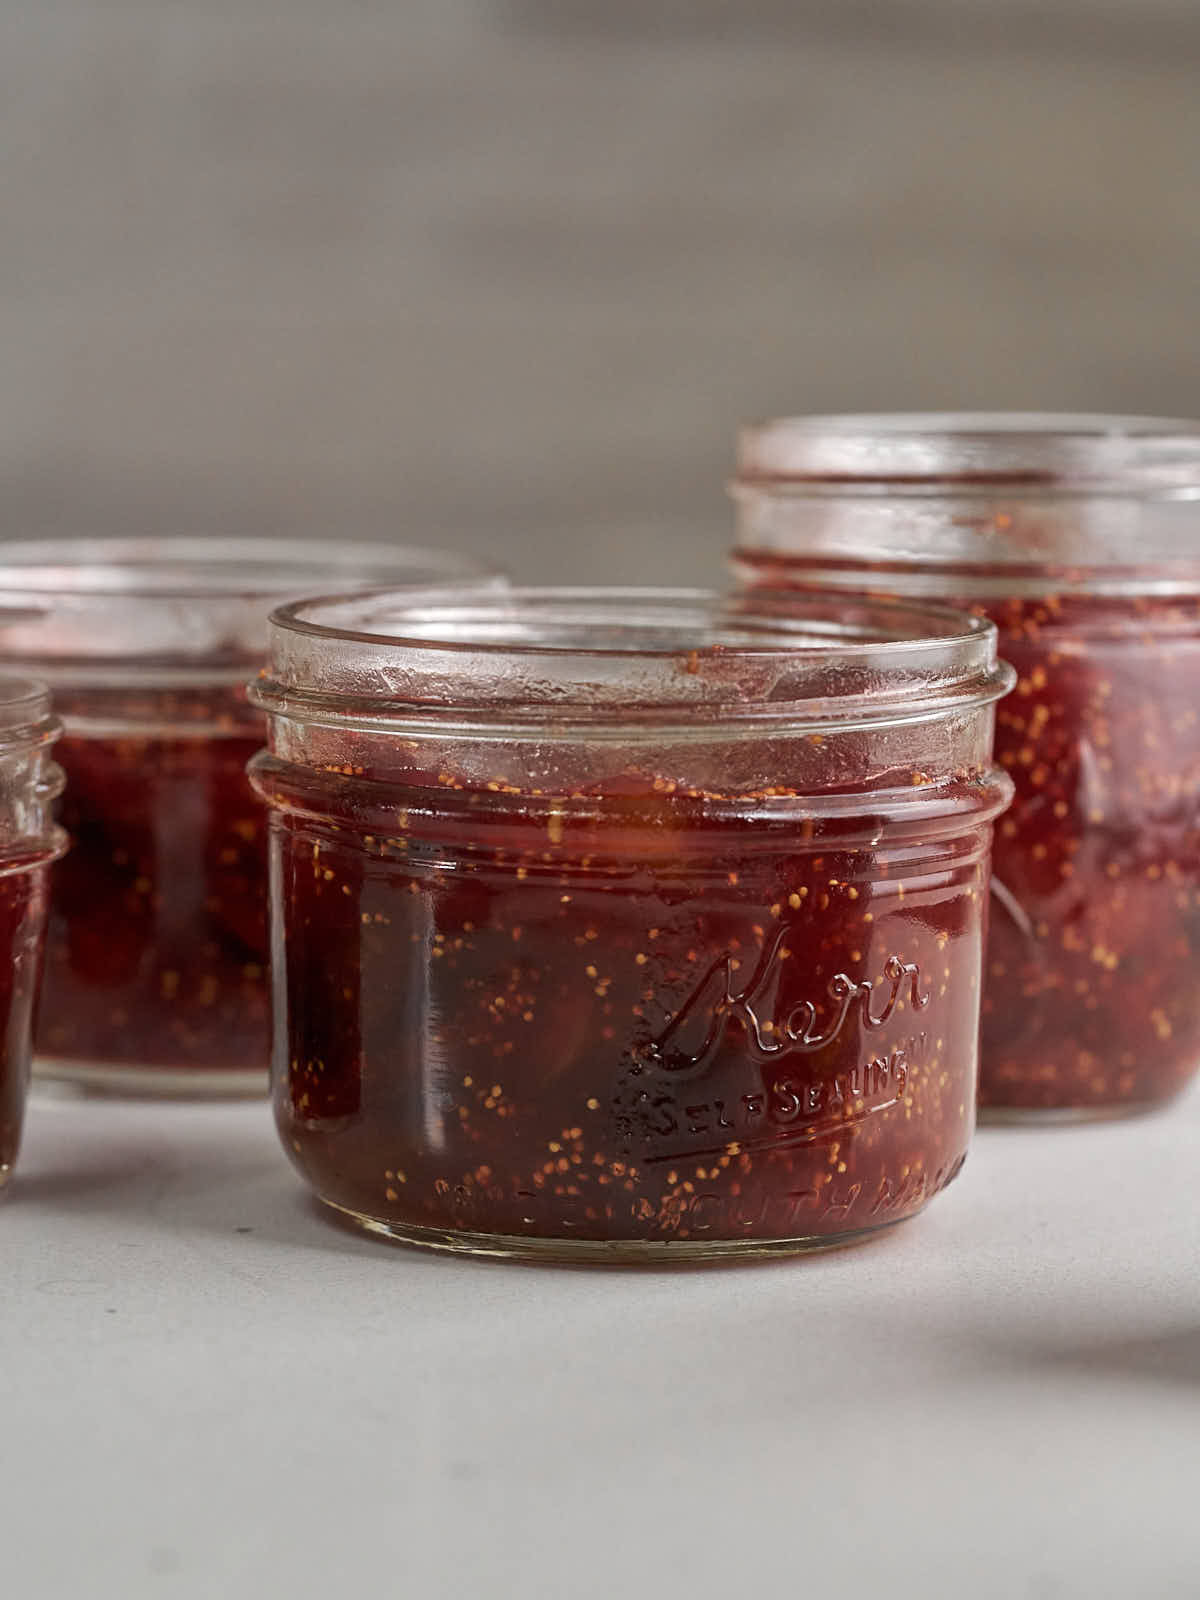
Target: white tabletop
<point>209,1390</point>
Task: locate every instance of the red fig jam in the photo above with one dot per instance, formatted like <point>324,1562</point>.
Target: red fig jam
<point>24,891</point>
<point>558,996</point>
<point>158,944</point>
<point>29,842</point>
<point>1092,997</point>
<point>157,948</point>
<point>1092,994</point>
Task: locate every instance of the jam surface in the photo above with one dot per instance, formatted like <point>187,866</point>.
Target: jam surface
<point>1092,988</point>
<point>157,946</point>
<point>630,1016</point>
<point>23,897</point>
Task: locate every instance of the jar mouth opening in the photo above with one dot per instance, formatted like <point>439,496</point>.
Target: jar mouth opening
<point>617,659</point>
<point>623,623</point>
<point>214,567</point>
<point>980,453</point>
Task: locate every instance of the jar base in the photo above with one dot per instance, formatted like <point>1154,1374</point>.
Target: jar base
<point>599,1252</point>
<point>56,1076</point>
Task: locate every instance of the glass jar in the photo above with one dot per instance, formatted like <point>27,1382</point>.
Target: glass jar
<point>627,925</point>
<point>156,962</point>
<point>29,842</point>
<point>1080,538</point>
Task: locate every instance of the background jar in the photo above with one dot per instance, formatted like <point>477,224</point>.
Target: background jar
<point>29,842</point>
<point>155,975</point>
<point>627,924</point>
<point>1080,538</point>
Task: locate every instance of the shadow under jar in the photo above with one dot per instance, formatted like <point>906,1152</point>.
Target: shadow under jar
<point>156,964</point>
<point>1080,538</point>
<point>627,925</point>
<point>29,842</point>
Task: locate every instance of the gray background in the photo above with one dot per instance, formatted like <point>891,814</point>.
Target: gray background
<point>506,273</point>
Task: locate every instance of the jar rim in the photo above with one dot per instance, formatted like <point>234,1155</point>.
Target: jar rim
<point>215,566</point>
<point>183,612</point>
<point>754,621</point>
<point>619,658</point>
<point>914,453</point>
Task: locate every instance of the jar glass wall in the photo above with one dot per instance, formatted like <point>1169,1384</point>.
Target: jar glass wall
<point>627,925</point>
<point>29,842</point>
<point>1080,538</point>
<point>157,946</point>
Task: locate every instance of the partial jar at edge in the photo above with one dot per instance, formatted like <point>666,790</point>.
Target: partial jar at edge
<point>627,925</point>
<point>156,962</point>
<point>1080,538</point>
<point>29,842</point>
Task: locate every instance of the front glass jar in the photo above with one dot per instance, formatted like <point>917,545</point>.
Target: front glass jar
<point>627,925</point>
<point>1080,538</point>
<point>156,960</point>
<point>29,842</point>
